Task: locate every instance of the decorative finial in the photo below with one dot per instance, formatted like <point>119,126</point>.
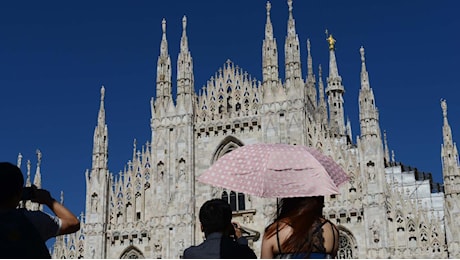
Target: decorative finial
<point>19,160</point>
<point>163,25</point>
<point>308,45</point>
<point>444,107</point>
<point>102,92</point>
<point>39,157</point>
<point>184,23</point>
<point>269,7</point>
<point>320,71</point>
<point>331,41</point>
<point>28,167</point>
<point>134,146</point>
<point>290,6</point>
<point>361,50</point>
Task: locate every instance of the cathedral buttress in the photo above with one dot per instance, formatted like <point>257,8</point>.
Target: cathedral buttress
<point>372,168</point>
<point>335,91</point>
<point>293,73</point>
<point>451,174</point>
<point>97,187</point>
<point>185,81</point>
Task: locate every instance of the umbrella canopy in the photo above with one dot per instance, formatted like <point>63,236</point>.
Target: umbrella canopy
<point>276,171</point>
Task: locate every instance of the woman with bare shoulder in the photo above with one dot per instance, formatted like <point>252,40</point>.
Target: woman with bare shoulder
<point>300,231</point>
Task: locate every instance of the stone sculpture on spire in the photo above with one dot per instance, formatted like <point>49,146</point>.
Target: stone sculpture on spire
<point>331,41</point>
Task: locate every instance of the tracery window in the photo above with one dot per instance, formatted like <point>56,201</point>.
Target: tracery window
<point>423,236</point>
<point>400,221</point>
<point>238,107</point>
<point>345,248</point>
<point>436,247</point>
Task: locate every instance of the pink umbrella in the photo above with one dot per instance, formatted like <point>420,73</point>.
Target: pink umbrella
<point>276,171</point>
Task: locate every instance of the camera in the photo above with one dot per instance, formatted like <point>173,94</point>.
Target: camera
<point>28,192</point>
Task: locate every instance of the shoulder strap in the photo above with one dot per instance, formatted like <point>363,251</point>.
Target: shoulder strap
<point>333,228</point>
<point>318,228</point>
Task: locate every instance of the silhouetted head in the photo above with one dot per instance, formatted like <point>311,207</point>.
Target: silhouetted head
<point>215,216</point>
<point>11,183</point>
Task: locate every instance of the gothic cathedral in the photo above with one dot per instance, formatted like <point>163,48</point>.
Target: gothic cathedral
<point>150,210</point>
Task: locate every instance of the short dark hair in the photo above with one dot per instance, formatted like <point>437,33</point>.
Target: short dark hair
<point>11,181</point>
<point>215,216</point>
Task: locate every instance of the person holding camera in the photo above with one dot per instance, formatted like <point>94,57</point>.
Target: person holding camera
<point>23,233</point>
<point>223,238</point>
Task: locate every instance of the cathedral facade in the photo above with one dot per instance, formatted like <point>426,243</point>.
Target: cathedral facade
<point>150,209</point>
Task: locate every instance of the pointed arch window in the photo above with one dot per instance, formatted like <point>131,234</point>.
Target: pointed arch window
<point>132,253</point>
<point>235,199</point>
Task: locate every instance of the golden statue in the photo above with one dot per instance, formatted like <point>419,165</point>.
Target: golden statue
<point>331,42</point>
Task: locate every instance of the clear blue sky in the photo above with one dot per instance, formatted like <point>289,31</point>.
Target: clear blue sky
<point>55,55</point>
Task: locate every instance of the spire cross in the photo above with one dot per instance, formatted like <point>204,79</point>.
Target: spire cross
<point>269,7</point>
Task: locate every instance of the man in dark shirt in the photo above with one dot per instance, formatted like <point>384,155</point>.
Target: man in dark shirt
<point>22,232</point>
<point>223,238</point>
